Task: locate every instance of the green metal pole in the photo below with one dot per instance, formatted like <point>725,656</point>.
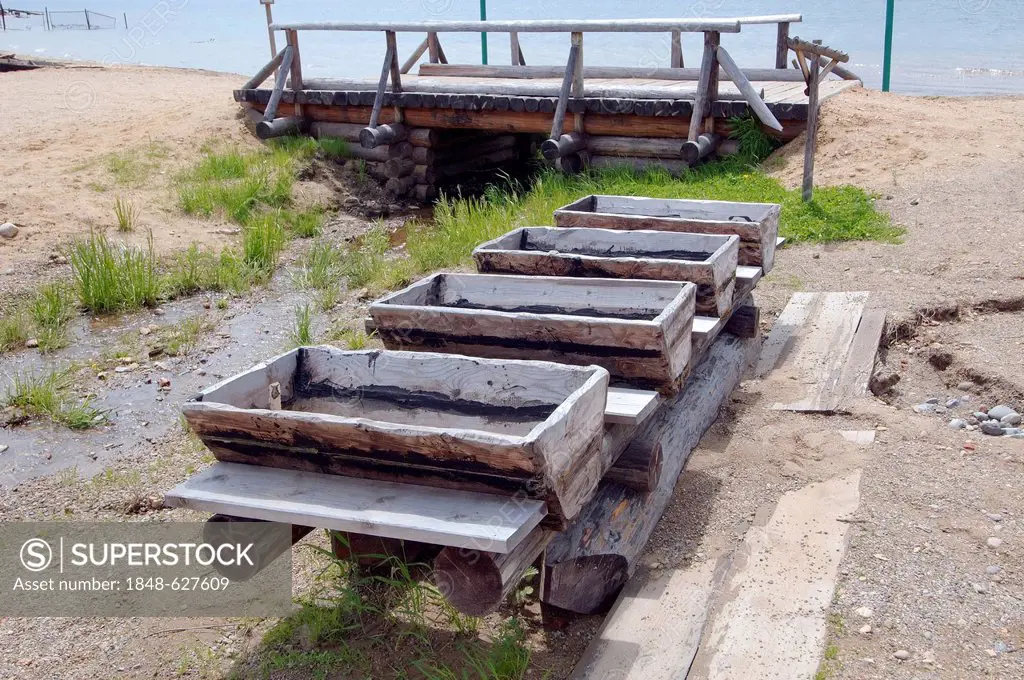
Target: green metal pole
<point>483,36</point>
<point>887,59</point>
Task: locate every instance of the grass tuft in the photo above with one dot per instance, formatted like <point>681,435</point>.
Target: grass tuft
<point>302,333</point>
<point>755,143</point>
<point>110,277</point>
<point>262,243</point>
<point>14,329</point>
<point>334,148</point>
<point>47,395</point>
<point>126,213</point>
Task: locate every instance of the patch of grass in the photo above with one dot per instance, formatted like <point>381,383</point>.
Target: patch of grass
<point>133,167</point>
<point>48,395</point>
<point>113,277</point>
<point>52,310</point>
<point>302,332</point>
<point>367,263</point>
<point>182,337</point>
<point>236,184</point>
<point>349,338</point>
<point>754,142</point>
<point>126,213</point>
<point>307,224</point>
<point>14,329</point>
<point>262,243</point>
<point>507,659</point>
<point>334,148</point>
<point>316,664</point>
<point>320,267</point>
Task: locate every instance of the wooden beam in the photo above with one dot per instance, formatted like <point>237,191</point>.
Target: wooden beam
<point>676,60</point>
<point>526,26</point>
<point>288,54</point>
<point>382,83</point>
<point>754,100</point>
<point>396,73</point>
<point>817,48</point>
<point>517,51</point>
<point>706,89</point>
<point>404,511</point>
<point>843,73</point>
<point>415,56</point>
<point>568,83</point>
<point>296,70</point>
<point>782,45</point>
<point>627,406</point>
<point>812,132</point>
<point>265,72</point>
<point>530,72</point>
<point>433,47</point>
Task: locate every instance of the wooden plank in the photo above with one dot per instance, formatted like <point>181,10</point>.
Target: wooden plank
<point>782,45</point>
<point>627,406</point>
<point>785,331</point>
<point>853,382</point>
<point>402,511</point>
<point>523,26</point>
<point>603,75</point>
<point>813,369</point>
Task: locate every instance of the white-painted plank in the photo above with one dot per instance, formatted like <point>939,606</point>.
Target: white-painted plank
<point>629,407</point>
<point>461,519</point>
<point>749,275</point>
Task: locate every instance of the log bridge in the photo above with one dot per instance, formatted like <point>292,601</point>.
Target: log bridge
<point>421,132</point>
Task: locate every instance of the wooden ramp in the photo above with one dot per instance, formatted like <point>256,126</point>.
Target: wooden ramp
<point>821,351</point>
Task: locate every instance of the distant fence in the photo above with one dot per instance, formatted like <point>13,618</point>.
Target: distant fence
<point>80,19</point>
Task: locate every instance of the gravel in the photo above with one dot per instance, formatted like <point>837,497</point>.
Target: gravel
<point>994,542</point>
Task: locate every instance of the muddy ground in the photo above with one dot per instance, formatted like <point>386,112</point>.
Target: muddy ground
<point>931,497</point>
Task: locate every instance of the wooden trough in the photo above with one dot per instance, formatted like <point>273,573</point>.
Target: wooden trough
<point>757,224</point>
<point>527,428</point>
<point>639,330</point>
<point>708,261</point>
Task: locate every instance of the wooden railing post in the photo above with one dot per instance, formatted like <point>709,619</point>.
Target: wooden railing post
<point>270,19</point>
<point>296,71</point>
<point>577,75</point>
<point>707,84</point>
<point>677,50</point>
<point>812,130</point>
<point>782,45</point>
<point>415,56</point>
<point>433,47</point>
<point>517,51</point>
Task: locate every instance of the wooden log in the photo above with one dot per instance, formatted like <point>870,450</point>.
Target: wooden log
<point>703,146</point>
<point>752,96</point>
<point>706,89</point>
<point>376,171</point>
<point>569,84</point>
<point>844,73</point>
<point>676,167</point>
<point>476,582</point>
<point>745,321</point>
<point>398,167</point>
<point>816,48</point>
<point>382,83</point>
<point>376,415</point>
<point>574,163</point>
<point>347,131</point>
<point>433,47</point>
<point>369,551</point>
<point>292,38</point>
<point>529,25</point>
<point>782,45</point>
<point>424,174</point>
<point>400,150</point>
<point>652,147</point>
<point>422,155</point>
<point>564,145</point>
<point>812,132</point>
<point>516,50</point>
<point>268,545</point>
<point>415,56</point>
<point>640,72</point>
<point>397,187</point>
<point>378,155</point>
<point>423,137</point>
<point>587,564</point>
<point>265,72</point>
<point>279,127</point>
<point>388,133</point>
<point>425,193</point>
<point>639,471</point>
<point>676,60</point>
<point>270,112</point>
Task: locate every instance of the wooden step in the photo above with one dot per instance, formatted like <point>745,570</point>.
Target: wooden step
<point>462,519</point>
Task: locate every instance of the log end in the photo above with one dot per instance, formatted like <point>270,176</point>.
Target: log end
<point>549,149</point>
<point>279,127</point>
<point>585,585</point>
<point>472,586</point>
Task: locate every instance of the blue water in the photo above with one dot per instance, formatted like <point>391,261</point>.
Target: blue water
<point>952,47</point>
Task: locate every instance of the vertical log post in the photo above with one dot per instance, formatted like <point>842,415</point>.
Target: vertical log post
<point>569,84</point>
<point>386,70</point>
<point>812,131</point>
<point>677,49</point>
<point>432,47</point>
<point>782,45</point>
<point>707,84</point>
<point>517,50</point>
<point>270,31</point>
<point>577,75</point>
<point>293,40</point>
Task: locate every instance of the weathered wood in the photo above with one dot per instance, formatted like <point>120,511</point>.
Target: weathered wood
<point>424,174</point>
<point>400,150</point>
<point>816,48</point>
<point>709,261</point>
<point>423,137</point>
<point>563,146</point>
<point>641,72</point>
<point>433,47</point>
<point>372,137</point>
<point>638,330</point>
<point>274,396</point>
<point>415,56</point>
<point>296,67</point>
<point>782,45</point>
<point>268,545</point>
<point>516,50</point>
<point>844,73</point>
<point>270,112</point>
<point>745,321</point>
<point>568,84</point>
<point>752,96</point>
<point>347,131</point>
<point>860,363</point>
<point>436,419</point>
<point>376,508</point>
<point>476,582</point>
<point>707,88</point>
<point>397,187</point>
<point>382,83</point>
<point>657,147</point>
<point>586,565</point>
<point>398,167</point>
<point>702,147</point>
<point>524,26</point>
<point>265,72</point>
<point>379,155</point>
<point>424,193</point>
<point>372,552</point>
<point>627,406</point>
<point>637,469</point>
<point>676,60</point>
<point>757,224</point>
<point>279,127</point>
<point>810,143</point>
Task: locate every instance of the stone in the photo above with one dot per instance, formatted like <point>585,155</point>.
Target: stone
<point>924,408</point>
<point>957,424</point>
<point>901,654</point>
<point>994,542</point>
<point>1011,420</point>
<point>971,420</point>
<point>981,416</point>
<point>8,230</point>
<point>994,516</point>
<point>1019,435</point>
<point>145,330</point>
<point>941,409</point>
<point>952,403</point>
<point>993,569</point>
<point>164,383</point>
<point>32,343</point>
<point>864,612</point>
<point>3,448</point>
<point>1010,431</point>
<point>865,630</point>
<point>979,588</point>
<point>933,400</point>
<point>965,386</point>
<point>992,428</point>
<point>999,412</point>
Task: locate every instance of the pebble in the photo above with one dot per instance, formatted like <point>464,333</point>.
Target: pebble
<point>992,428</point>
<point>924,408</point>
<point>994,542</point>
<point>957,424</point>
<point>164,383</point>
<point>971,420</point>
<point>952,403</point>
<point>1010,431</point>
<point>863,612</point>
<point>941,409</point>
<point>3,448</point>
<point>901,654</point>
<point>994,516</point>
<point>933,400</point>
<point>1011,420</point>
<point>992,570</point>
<point>865,630</point>
<point>145,330</point>
<point>999,412</point>
<point>965,386</point>
<point>8,230</point>
<point>981,416</point>
<point>32,343</point>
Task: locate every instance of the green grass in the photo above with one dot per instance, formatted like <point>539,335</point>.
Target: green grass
<point>302,332</point>
<point>110,277</point>
<point>126,213</point>
<point>52,310</point>
<point>133,167</point>
<point>349,338</point>
<point>48,395</point>
<point>183,336</point>
<point>14,329</point>
<point>306,224</point>
<point>334,148</point>
<point>262,243</point>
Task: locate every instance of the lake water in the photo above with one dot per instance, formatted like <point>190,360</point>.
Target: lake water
<point>951,47</point>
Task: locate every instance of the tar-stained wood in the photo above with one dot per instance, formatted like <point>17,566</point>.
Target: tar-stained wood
<point>638,330</point>
<point>757,224</point>
<point>440,420</point>
<point>640,470</point>
<point>709,261</point>
<point>221,529</point>
<point>587,564</point>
